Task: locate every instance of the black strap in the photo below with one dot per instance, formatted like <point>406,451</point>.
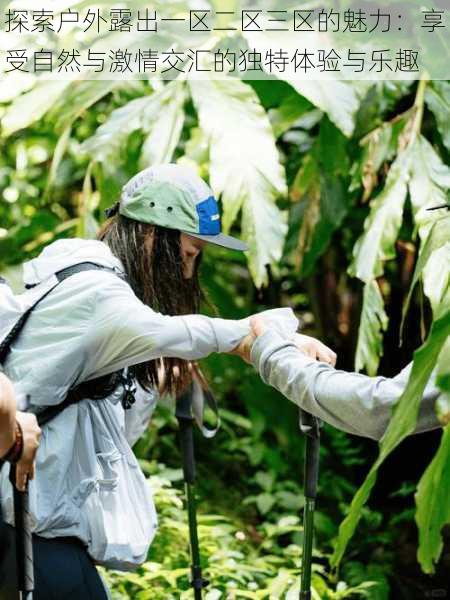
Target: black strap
<point>72,397</point>
<point>5,346</point>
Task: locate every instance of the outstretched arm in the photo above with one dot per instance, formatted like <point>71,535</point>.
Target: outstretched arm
<point>352,402</point>
<point>123,331</point>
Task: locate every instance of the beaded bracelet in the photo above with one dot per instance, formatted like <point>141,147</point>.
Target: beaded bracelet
<point>15,452</point>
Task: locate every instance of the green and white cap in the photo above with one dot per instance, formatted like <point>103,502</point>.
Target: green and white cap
<point>174,196</point>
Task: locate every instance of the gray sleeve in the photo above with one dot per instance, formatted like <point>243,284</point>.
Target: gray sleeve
<point>352,402</point>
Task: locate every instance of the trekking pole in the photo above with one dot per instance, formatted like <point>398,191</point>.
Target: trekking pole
<point>24,542</point>
<point>310,427</point>
<point>185,419</point>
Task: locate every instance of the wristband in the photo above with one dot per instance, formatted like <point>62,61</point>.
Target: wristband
<point>15,452</point>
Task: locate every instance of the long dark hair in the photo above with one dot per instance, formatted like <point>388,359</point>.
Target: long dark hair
<point>151,256</point>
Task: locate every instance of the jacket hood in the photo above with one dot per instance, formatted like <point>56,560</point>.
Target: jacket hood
<point>66,253</point>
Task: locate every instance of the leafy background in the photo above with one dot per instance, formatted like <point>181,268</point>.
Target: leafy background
<point>332,198</point>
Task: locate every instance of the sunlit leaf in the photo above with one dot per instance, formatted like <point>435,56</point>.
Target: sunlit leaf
<point>284,116</point>
<point>373,323</point>
<point>245,167</point>
<point>379,145</point>
<point>106,143</point>
<point>402,423</point>
<point>324,204</point>
<point>433,506</point>
<point>337,98</point>
<point>438,237</point>
<point>430,177</point>
<point>443,369</point>
<point>437,97</point>
<point>381,227</point>
<point>76,99</point>
<point>32,106</point>
<point>164,129</point>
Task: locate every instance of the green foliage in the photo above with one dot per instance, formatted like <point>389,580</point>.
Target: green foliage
<point>402,424</point>
<point>232,562</point>
<point>433,507</point>
<point>370,335</point>
<point>345,173</point>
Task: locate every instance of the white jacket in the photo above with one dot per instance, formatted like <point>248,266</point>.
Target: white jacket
<point>88,483</point>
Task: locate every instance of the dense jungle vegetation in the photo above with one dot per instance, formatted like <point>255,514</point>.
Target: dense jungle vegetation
<point>330,187</point>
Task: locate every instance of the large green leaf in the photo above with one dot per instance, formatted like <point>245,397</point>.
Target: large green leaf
<point>76,99</point>
<point>443,369</point>
<point>438,237</point>
<point>287,113</point>
<point>402,424</point>
<point>381,227</point>
<point>108,140</point>
<point>319,187</point>
<point>164,128</point>
<point>433,504</point>
<point>437,97</point>
<point>430,177</point>
<point>436,278</point>
<point>141,114</point>
<point>337,98</point>
<point>32,106</point>
<point>245,167</point>
<point>379,145</point>
<point>373,322</point>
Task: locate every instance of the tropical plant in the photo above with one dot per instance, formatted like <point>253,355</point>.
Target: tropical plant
<point>333,198</point>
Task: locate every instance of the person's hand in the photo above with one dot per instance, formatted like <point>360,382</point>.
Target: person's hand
<point>31,437</point>
<point>315,349</point>
<point>244,347</point>
<point>306,344</point>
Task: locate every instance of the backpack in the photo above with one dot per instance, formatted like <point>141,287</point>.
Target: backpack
<point>97,388</point>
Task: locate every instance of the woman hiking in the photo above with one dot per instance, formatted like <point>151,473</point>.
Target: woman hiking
<point>110,313</point>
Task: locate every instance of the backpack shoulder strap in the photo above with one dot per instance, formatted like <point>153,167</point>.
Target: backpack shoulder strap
<point>5,345</point>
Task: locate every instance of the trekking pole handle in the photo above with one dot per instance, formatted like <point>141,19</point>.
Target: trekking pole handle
<point>311,467</point>
<point>187,444</point>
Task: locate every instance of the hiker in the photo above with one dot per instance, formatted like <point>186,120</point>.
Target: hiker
<point>352,402</point>
<point>19,435</point>
<point>112,314</point>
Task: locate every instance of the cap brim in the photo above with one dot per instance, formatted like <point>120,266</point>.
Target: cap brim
<point>226,241</point>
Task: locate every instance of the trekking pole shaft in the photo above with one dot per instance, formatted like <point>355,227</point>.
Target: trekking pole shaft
<point>196,570</point>
<point>24,542</point>
<point>311,478</point>
<point>305,589</point>
<point>187,451</point>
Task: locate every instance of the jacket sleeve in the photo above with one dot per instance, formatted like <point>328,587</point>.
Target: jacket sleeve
<point>123,331</point>
<point>352,402</point>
